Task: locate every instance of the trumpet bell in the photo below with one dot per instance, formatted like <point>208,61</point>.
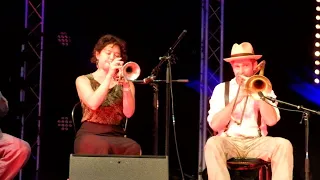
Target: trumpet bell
<point>131,71</point>
<point>258,83</point>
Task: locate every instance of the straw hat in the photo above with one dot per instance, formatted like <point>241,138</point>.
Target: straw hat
<point>242,51</point>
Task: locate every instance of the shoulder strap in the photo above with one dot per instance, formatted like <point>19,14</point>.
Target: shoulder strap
<point>89,76</point>
<point>259,123</point>
<point>226,93</point>
<point>226,97</point>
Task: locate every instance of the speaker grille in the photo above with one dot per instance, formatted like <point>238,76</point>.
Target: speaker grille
<point>118,167</point>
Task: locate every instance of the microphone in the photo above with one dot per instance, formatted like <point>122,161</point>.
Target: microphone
<point>164,58</point>
<point>148,79</point>
<point>263,97</point>
<point>184,32</point>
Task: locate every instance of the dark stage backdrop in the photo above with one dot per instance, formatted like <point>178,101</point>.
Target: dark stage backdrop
<point>281,31</point>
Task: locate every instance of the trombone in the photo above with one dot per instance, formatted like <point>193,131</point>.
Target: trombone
<point>253,85</point>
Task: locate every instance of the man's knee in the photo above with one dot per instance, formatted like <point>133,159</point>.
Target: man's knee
<point>18,149</point>
<point>284,144</point>
<point>213,143</point>
<point>25,150</point>
<point>22,151</point>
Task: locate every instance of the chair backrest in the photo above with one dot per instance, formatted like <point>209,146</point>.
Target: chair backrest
<point>76,115</point>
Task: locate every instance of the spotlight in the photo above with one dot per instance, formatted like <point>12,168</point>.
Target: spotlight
<point>64,123</point>
<point>64,39</point>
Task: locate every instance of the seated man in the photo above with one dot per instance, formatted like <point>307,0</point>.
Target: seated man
<point>14,152</point>
<point>242,130</point>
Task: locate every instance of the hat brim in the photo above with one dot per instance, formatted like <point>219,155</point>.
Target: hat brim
<point>254,57</point>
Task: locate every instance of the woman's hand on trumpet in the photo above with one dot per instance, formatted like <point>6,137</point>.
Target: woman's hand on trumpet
<point>115,67</point>
<point>115,70</point>
<point>123,82</point>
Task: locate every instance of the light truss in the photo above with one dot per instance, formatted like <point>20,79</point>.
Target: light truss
<point>211,61</point>
<point>31,75</point>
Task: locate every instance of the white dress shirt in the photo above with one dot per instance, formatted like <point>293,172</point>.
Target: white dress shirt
<point>249,126</point>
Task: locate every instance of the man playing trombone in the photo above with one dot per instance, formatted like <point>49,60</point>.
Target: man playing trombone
<point>241,123</point>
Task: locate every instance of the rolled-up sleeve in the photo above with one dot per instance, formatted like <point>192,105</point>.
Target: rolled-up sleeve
<point>4,108</point>
<point>216,102</point>
<point>274,104</point>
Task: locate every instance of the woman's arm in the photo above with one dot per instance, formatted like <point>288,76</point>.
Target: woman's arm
<point>93,99</point>
<point>128,99</point>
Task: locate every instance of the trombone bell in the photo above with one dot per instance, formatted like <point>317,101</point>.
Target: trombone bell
<point>258,83</point>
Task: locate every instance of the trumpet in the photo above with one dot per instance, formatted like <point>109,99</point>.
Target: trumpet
<point>253,85</point>
<point>130,71</point>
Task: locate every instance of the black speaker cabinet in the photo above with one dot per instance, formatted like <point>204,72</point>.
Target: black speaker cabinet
<point>111,167</point>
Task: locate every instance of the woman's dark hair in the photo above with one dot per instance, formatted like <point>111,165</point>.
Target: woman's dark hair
<point>106,40</point>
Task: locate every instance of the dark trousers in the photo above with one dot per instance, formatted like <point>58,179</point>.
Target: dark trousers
<point>100,139</point>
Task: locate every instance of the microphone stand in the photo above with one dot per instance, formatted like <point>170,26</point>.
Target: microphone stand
<point>169,58</point>
<point>155,86</point>
<point>305,116</point>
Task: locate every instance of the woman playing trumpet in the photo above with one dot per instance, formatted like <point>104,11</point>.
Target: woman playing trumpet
<point>105,102</point>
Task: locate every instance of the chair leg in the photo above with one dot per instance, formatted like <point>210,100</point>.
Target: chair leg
<point>268,172</point>
<point>261,173</point>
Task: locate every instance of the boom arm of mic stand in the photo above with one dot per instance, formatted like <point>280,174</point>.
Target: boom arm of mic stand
<point>293,105</point>
<point>162,81</point>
